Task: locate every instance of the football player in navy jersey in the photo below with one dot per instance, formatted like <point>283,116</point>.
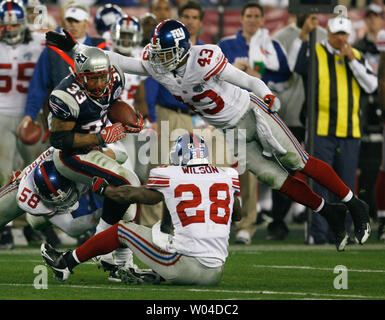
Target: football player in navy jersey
<point>80,129</point>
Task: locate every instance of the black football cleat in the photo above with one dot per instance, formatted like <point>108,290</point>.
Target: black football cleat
<point>138,276</point>
<point>359,211</point>
<point>335,214</point>
<point>57,261</point>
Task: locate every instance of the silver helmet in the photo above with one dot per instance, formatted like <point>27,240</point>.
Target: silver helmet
<point>93,70</point>
<point>126,34</point>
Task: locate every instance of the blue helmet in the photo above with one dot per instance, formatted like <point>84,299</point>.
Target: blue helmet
<point>106,17</point>
<point>126,34</point>
<point>169,45</point>
<point>12,13</point>
<point>189,149</point>
<point>55,190</point>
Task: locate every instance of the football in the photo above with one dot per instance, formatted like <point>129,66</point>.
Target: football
<point>29,132</point>
<point>121,111</point>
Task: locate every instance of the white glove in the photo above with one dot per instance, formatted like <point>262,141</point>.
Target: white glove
<point>272,102</point>
<point>269,143</point>
<point>162,240</point>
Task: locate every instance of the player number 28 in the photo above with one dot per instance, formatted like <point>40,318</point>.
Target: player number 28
<point>199,216</point>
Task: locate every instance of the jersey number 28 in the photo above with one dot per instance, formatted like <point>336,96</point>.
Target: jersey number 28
<point>199,216</point>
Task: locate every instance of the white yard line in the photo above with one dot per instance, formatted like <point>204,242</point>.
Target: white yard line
<point>175,288</point>
<point>314,268</point>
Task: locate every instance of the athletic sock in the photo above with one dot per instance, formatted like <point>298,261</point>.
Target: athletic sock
<point>300,192</point>
<point>325,175</point>
<point>101,243</point>
<point>380,191</point>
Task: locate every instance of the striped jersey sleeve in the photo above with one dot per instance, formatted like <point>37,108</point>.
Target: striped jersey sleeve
<point>158,179</point>
<point>210,60</point>
<point>236,185</point>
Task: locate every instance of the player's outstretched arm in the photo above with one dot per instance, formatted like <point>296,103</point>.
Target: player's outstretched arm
<point>67,42</point>
<point>126,194</point>
<point>241,79</point>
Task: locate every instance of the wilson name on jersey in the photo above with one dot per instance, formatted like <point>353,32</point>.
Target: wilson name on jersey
<point>68,101</point>
<point>200,201</point>
<point>200,87</point>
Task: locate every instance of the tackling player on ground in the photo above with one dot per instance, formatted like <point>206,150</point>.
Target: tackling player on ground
<point>200,200</point>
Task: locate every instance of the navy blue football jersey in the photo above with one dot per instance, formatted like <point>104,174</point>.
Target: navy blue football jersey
<point>68,101</point>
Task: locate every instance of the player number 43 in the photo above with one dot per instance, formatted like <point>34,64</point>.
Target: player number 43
<point>206,55</point>
<point>215,205</point>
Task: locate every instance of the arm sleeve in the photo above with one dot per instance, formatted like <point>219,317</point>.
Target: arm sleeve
<point>152,88</point>
<point>127,64</point>
<point>158,179</point>
<point>39,86</point>
<point>364,75</point>
<point>241,79</point>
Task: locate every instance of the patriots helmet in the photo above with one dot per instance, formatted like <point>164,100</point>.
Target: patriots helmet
<point>54,190</point>
<point>94,72</point>
<point>106,16</point>
<point>126,34</point>
<point>12,21</point>
<point>189,149</point>
<point>169,45</point>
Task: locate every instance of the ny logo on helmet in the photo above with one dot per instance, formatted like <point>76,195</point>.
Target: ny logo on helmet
<point>178,34</point>
<point>81,58</point>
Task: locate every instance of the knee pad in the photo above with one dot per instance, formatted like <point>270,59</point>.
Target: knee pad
<point>291,161</point>
<point>272,180</point>
<point>37,222</point>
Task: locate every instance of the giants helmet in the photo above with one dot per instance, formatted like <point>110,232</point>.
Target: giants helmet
<point>189,149</point>
<point>12,21</point>
<point>126,34</point>
<point>54,190</point>
<point>169,45</point>
<point>93,70</point>
<point>106,17</point>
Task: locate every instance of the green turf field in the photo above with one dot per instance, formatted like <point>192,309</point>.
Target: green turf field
<point>264,270</point>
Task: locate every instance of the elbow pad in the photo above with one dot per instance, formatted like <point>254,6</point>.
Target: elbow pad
<point>62,140</point>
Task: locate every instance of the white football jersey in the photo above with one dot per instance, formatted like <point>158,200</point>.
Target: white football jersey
<point>27,196</point>
<point>200,201</point>
<point>220,103</point>
<point>16,68</point>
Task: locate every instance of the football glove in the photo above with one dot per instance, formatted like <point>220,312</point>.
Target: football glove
<point>99,185</point>
<point>272,102</point>
<point>270,145</point>
<point>64,42</point>
<point>112,133</point>
<point>135,127</point>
